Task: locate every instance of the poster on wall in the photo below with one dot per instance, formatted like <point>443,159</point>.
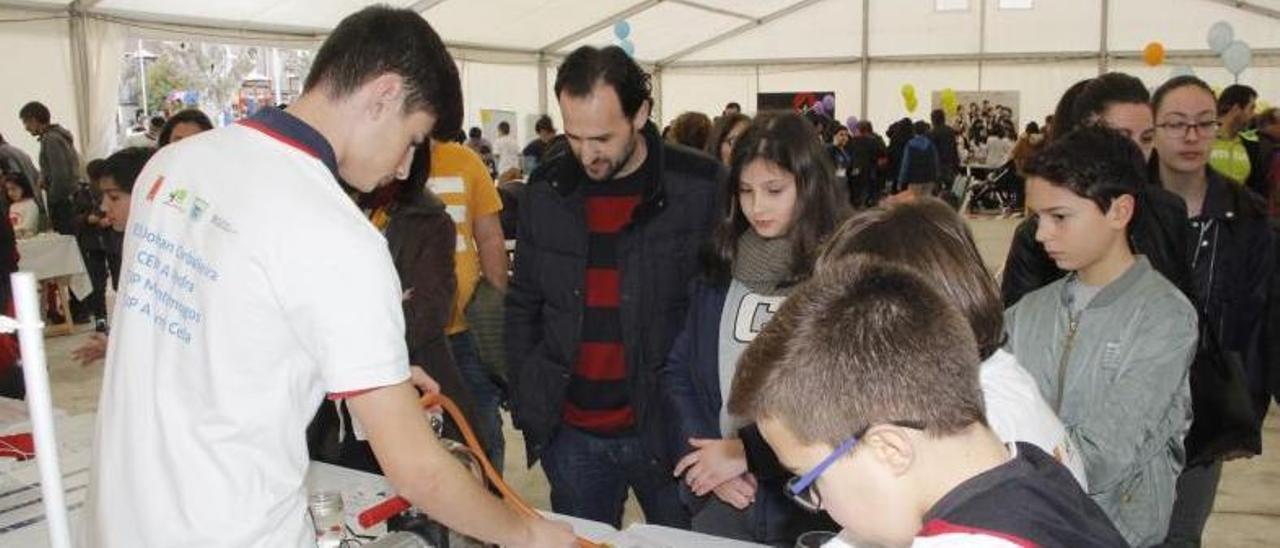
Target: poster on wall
<point>489,119</point>
<point>821,102</point>
<point>985,120</point>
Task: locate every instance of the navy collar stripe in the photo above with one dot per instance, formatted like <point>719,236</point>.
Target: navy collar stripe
<point>290,130</point>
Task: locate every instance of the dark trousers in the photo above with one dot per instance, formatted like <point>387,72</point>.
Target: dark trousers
<point>486,396</point>
<point>95,262</point>
<point>590,475</point>
<point>1197,488</point>
<point>772,519</point>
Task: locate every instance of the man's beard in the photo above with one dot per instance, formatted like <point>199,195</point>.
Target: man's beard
<point>629,151</point>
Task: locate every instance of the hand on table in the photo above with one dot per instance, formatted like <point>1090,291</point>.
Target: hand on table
<point>738,492</point>
<point>712,462</point>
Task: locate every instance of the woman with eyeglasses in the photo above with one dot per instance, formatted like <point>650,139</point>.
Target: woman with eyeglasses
<point>1232,263</point>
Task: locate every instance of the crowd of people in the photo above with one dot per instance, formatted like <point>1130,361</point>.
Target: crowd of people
<point>760,326</point>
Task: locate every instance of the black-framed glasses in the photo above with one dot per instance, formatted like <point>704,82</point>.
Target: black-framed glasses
<point>803,489</point>
<point>1183,129</point>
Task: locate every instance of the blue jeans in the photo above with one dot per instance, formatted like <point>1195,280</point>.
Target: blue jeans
<point>589,477</point>
<point>484,392</point>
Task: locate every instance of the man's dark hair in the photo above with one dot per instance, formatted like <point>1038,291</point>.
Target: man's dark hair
<point>544,124</point>
<point>1095,162</point>
<point>921,127</point>
<point>504,128</point>
<point>188,116</point>
<point>1236,95</point>
<point>475,132</point>
<point>379,39</point>
<point>124,166</point>
<point>733,105</point>
<point>35,110</point>
<point>863,344</point>
<point>156,122</point>
<point>95,169</point>
<point>864,127</point>
<point>938,117</point>
<point>588,65</point>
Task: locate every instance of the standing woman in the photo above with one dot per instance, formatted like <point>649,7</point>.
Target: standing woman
<point>724,134</point>
<point>779,203</point>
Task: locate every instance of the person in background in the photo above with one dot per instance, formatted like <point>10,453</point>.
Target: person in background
<point>944,139</point>
<point>59,164</point>
<point>778,204</point>
<point>869,159</point>
<point>1268,123</point>
<point>609,234</point>
<point>148,138</point>
<point>476,140</point>
<point>1110,345</point>
<point>13,160</point>
<point>1235,151</point>
<point>537,148</point>
<point>114,178</point>
<point>899,452</point>
<point>92,233</point>
<point>725,133</point>
<point>24,215</point>
<point>691,129</point>
<point>919,171</point>
<point>460,180</point>
<point>838,152</point>
<point>731,109</point>
<point>506,150</point>
<point>12,382</point>
<point>182,125</point>
<point>1232,263</point>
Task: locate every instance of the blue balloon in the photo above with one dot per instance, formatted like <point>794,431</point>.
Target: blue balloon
<point>622,30</point>
<point>628,47</point>
<point>1220,36</point>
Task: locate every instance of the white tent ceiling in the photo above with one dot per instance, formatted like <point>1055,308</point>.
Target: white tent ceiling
<point>707,52</point>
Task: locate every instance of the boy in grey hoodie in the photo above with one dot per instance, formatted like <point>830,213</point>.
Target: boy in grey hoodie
<point>1111,344</point>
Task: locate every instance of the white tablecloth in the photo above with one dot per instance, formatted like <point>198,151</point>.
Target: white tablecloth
<point>49,255</point>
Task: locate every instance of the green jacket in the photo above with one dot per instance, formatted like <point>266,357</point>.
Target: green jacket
<point>1117,374</point>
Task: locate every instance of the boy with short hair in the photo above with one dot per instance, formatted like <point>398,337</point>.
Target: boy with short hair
<point>866,383</point>
<point>1110,345</point>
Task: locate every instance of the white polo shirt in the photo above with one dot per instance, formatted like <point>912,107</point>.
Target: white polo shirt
<point>252,287</point>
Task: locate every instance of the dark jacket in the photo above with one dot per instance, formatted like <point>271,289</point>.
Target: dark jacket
<point>1156,231</point>
<point>690,381</point>
<point>657,258</point>
<point>1233,268</point>
<point>421,238</point>
<point>59,163</point>
<point>919,162</point>
<point>944,138</point>
<point>86,203</point>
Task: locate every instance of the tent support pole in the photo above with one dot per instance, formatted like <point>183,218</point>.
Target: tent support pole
<point>865,62</point>
<point>1105,6</point>
<point>80,71</point>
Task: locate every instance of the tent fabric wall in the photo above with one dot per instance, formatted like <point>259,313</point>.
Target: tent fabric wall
<point>41,72</point>
<point>105,60</point>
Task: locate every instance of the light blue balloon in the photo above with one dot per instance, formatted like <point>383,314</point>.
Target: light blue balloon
<point>622,30</point>
<point>1182,70</point>
<point>1237,57</point>
<point>628,47</point>
<point>1220,36</point>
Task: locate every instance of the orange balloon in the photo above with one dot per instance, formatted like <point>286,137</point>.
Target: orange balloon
<point>1153,54</point>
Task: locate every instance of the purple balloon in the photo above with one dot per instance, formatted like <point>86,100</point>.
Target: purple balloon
<point>830,103</point>
<point>819,108</point>
<point>851,122</point>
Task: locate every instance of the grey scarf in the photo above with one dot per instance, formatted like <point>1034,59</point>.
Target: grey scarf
<point>763,265</point>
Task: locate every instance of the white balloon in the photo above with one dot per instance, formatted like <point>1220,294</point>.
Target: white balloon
<point>1220,36</point>
<point>1182,70</point>
<point>1237,57</point>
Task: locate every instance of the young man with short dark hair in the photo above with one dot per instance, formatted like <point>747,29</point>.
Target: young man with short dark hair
<point>254,288</point>
<point>865,383</point>
<point>1235,151</point>
<point>1111,344</point>
<point>607,243</point>
<point>59,163</point>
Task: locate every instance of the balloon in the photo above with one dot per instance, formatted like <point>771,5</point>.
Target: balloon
<point>851,122</point>
<point>1182,70</point>
<point>628,47</point>
<point>1153,54</point>
<point>829,103</point>
<point>1220,36</point>
<point>908,90</point>
<point>1237,57</point>
<point>819,108</point>
<point>911,103</point>
<point>622,30</point>
<point>949,101</point>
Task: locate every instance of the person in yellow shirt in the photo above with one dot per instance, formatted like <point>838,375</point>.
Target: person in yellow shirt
<point>459,177</point>
<point>1233,152</point>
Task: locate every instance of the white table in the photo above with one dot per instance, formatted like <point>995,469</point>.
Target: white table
<point>49,255</point>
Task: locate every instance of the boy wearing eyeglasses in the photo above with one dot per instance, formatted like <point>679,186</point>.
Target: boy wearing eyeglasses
<point>865,383</point>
